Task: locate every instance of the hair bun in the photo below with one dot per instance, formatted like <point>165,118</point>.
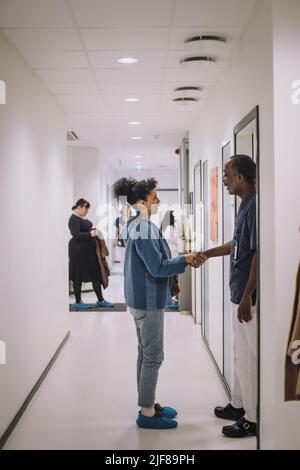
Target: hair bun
<point>123,188</point>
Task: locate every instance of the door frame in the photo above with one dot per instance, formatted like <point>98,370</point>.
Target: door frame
<point>197,167</point>
<point>223,270</point>
<point>254,114</point>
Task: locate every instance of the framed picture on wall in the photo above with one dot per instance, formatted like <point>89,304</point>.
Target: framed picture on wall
<point>191,203</point>
<point>214,204</point>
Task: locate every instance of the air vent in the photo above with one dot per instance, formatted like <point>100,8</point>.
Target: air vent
<point>196,60</point>
<point>200,39</point>
<point>188,88</point>
<point>71,136</point>
<point>205,44</point>
<point>185,99</point>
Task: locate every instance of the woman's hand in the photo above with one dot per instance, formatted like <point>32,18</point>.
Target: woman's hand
<point>93,233</point>
<point>190,258</point>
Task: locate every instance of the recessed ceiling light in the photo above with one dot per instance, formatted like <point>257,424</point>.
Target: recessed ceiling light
<point>134,123</point>
<point>131,100</point>
<point>138,156</point>
<point>136,138</point>
<point>127,60</point>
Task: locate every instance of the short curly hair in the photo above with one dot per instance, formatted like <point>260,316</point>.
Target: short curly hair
<point>244,165</point>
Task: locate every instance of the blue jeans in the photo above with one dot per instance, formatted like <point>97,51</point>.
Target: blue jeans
<point>150,333</point>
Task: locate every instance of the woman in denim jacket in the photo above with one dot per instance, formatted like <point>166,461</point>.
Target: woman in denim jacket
<point>148,272</point>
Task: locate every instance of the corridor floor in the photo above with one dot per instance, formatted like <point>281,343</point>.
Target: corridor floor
<point>88,400</point>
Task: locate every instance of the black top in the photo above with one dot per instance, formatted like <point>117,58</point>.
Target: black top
<point>80,228</point>
<point>83,262</point>
<point>243,249</point>
<point>120,223</point>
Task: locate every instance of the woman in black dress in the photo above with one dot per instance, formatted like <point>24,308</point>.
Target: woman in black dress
<point>83,262</point>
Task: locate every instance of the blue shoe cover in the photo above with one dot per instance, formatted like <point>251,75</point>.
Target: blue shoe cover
<point>165,411</point>
<point>104,303</point>
<point>83,306</point>
<point>154,422</point>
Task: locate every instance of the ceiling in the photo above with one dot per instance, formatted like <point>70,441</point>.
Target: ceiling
<point>74,45</point>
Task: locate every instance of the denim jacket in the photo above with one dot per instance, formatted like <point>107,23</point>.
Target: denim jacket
<point>148,267</point>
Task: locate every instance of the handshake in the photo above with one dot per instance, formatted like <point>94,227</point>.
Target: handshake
<point>196,259</point>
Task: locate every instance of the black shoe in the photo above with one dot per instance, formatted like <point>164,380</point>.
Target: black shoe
<point>242,428</point>
<point>229,412</point>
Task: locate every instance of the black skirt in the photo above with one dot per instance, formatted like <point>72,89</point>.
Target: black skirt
<point>83,261</point>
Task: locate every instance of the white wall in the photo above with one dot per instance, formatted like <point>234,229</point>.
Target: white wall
<point>280,421</point>
<point>89,176</point>
<point>167,178</point>
<point>86,179</point>
<point>246,82</point>
<point>33,235</point>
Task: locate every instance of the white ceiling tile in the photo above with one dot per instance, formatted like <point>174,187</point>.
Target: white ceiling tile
<point>44,39</point>
<point>66,76</point>
<point>127,89</point>
<point>129,13</point>
<point>82,108</point>
<point>128,76</point>
<point>80,100</point>
<point>212,13</point>
<point>34,13</point>
<point>88,116</point>
<point>56,59</point>
<point>122,39</point>
<point>109,59</point>
<point>202,76</point>
<point>73,88</point>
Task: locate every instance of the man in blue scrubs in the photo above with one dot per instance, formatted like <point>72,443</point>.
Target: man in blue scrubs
<point>240,180</point>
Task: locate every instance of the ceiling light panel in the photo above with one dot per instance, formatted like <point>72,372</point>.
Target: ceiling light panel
<point>109,59</point>
<point>127,60</point>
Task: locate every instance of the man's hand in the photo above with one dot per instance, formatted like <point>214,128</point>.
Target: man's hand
<point>190,258</point>
<point>244,311</point>
<point>200,258</point>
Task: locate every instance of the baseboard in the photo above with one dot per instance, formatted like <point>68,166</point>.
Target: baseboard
<point>16,419</point>
<point>223,381</point>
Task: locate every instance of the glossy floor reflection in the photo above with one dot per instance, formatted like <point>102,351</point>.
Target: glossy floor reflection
<point>88,400</point>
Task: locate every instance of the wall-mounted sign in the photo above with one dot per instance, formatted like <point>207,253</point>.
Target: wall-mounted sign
<point>2,92</point>
<point>2,353</point>
<point>214,204</point>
